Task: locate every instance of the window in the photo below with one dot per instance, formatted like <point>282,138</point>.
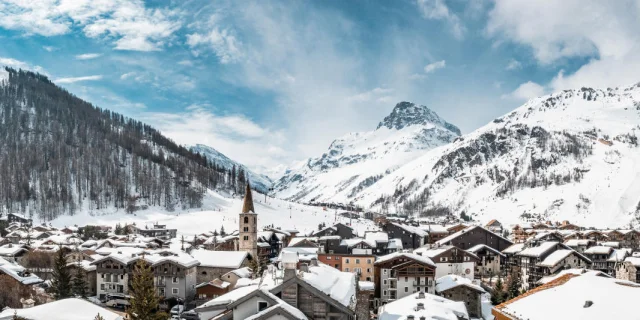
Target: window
<point>161,292</point>
<point>337,266</point>
<point>122,276</point>
<point>443,259</point>
<point>384,281</point>
<point>246,238</point>
<point>346,269</point>
<point>368,261</point>
<point>174,290</point>
<point>357,261</point>
<point>369,270</point>
<point>202,296</point>
<point>174,280</point>
<point>204,273</point>
<point>262,305</point>
<point>406,279</point>
<point>384,271</point>
<point>466,258</point>
<point>347,260</point>
<point>406,289</point>
<point>246,229</point>
<point>384,293</point>
<point>102,286</point>
<point>108,278</point>
<point>246,219</point>
<point>328,258</point>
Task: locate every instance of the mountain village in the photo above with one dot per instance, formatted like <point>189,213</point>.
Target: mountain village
<point>405,269</point>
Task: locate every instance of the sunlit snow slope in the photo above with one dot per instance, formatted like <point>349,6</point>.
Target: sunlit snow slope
<point>570,155</point>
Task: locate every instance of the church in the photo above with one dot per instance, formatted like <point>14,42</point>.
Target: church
<point>248,228</point>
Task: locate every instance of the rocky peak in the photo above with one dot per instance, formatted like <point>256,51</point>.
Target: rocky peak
<point>406,114</point>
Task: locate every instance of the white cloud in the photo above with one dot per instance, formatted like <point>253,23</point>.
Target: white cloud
<point>376,94</point>
<point>128,23</point>
<point>127,75</point>
<point>88,56</point>
<point>526,91</point>
<point>49,48</point>
<point>78,79</point>
<point>432,67</point>
<point>438,10</point>
<point>188,63</point>
<point>234,135</point>
<point>222,41</point>
<point>513,64</point>
<point>606,31</point>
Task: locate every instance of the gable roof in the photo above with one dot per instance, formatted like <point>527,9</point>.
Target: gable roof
<point>535,252</point>
<point>557,256</point>
<point>412,256</point>
<point>435,307</point>
<point>481,246</point>
<point>220,259</point>
<point>451,281</point>
<point>464,231</point>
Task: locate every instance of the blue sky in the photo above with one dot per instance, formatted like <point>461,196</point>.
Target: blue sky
<point>270,82</point>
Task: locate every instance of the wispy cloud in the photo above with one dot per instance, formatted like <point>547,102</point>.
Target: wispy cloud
<point>49,48</point>
<point>17,64</point>
<point>514,65</point>
<point>222,41</point>
<point>438,10</point>
<point>78,79</point>
<point>526,91</point>
<point>432,67</point>
<point>128,23</point>
<point>88,56</point>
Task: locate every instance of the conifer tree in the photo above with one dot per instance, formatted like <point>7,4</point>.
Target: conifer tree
<point>222,232</point>
<point>254,265</point>
<point>98,317</point>
<point>144,300</point>
<point>61,277</point>
<point>513,284</point>
<point>79,283</point>
<point>497,296</point>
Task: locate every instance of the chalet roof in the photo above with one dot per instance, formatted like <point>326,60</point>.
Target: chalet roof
<point>412,256</point>
<point>550,278</point>
<point>613,299</point>
<point>59,310</point>
<point>578,242</point>
<point>296,240</point>
<point>221,284</point>
<point>352,242</point>
<point>18,273</point>
<point>492,222</point>
<point>411,229</point>
<point>435,307</point>
<point>481,246</point>
<point>229,297</point>
<point>599,250</point>
<point>434,252</point>
<point>220,259</point>
<point>464,231</point>
<point>619,254</point>
<point>539,250</point>
<point>555,257</point>
<point>451,281</point>
<point>635,261</point>
<point>376,236</point>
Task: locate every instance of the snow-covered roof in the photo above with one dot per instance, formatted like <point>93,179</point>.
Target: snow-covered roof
<point>18,273</point>
<point>514,248</point>
<point>550,278</point>
<point>340,286</point>
<point>577,242</point>
<point>619,254</point>
<point>395,243</point>
<point>435,307</point>
<point>84,264</point>
<point>555,257</point>
<point>539,250</point>
<point>61,310</point>
<point>216,283</point>
<point>411,229</point>
<point>280,305</point>
<point>635,261</point>
<point>413,256</point>
<point>376,236</point>
<point>352,242</point>
<point>230,296</point>
<point>481,246</point>
<point>297,240</point>
<point>10,250</point>
<point>304,254</point>
<point>179,258</point>
<point>451,281</point>
<point>607,298</point>
<point>289,257</point>
<point>242,272</point>
<point>465,230</point>
<point>435,228</point>
<point>336,237</point>
<point>220,259</point>
<point>612,244</point>
<point>599,250</point>
<point>431,252</point>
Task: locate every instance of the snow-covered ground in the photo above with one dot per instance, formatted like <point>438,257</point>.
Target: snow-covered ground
<point>221,210</point>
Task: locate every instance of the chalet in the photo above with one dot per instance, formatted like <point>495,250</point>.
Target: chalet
<point>89,272</point>
<point>614,235</point>
<point>461,289</point>
<point>630,239</point>
<point>275,240</point>
<point>494,226</point>
<point>222,243</point>
<point>629,269</point>
<point>595,235</point>
<point>450,260</point>
<point>521,233</point>
<point>157,231</point>
<point>617,257</point>
<point>329,244</point>
<point>214,264</point>
<point>475,235</point>
<point>599,256</point>
<point>357,246</point>
<point>303,242</point>
<point>412,237</point>
<point>383,245</point>
<point>210,290</point>
<point>566,225</point>
<point>580,245</point>
<point>510,258</point>
<point>342,230</point>
<point>18,273</point>
<point>533,262</point>
<point>233,276</point>
<point>398,275</point>
<point>436,232</point>
<point>490,261</point>
<point>18,218</point>
<point>456,228</point>
<point>13,252</point>
<point>546,236</point>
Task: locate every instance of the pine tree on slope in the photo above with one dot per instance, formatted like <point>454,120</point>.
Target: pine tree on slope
<point>79,282</point>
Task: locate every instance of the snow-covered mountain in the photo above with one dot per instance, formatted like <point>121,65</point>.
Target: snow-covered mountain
<point>357,161</point>
<point>570,155</point>
<point>258,181</point>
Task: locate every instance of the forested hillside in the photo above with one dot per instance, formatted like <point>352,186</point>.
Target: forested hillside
<point>60,154</point>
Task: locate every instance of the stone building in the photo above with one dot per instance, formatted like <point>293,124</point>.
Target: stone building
<point>629,269</point>
<point>248,228</point>
<point>214,264</point>
<point>457,288</point>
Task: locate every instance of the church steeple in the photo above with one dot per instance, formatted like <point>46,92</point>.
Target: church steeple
<point>248,201</point>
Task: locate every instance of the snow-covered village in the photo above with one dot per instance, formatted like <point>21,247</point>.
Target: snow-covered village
<point>329,160</point>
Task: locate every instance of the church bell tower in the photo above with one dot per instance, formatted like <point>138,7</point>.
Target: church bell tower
<point>248,226</point>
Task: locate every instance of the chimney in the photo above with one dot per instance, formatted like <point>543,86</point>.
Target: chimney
<point>304,267</point>
<point>420,306</point>
<point>411,317</point>
<point>289,273</point>
<point>314,262</point>
<point>420,295</point>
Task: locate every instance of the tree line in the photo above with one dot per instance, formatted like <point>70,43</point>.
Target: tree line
<point>60,154</point>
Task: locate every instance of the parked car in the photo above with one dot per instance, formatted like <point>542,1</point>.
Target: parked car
<point>176,310</point>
